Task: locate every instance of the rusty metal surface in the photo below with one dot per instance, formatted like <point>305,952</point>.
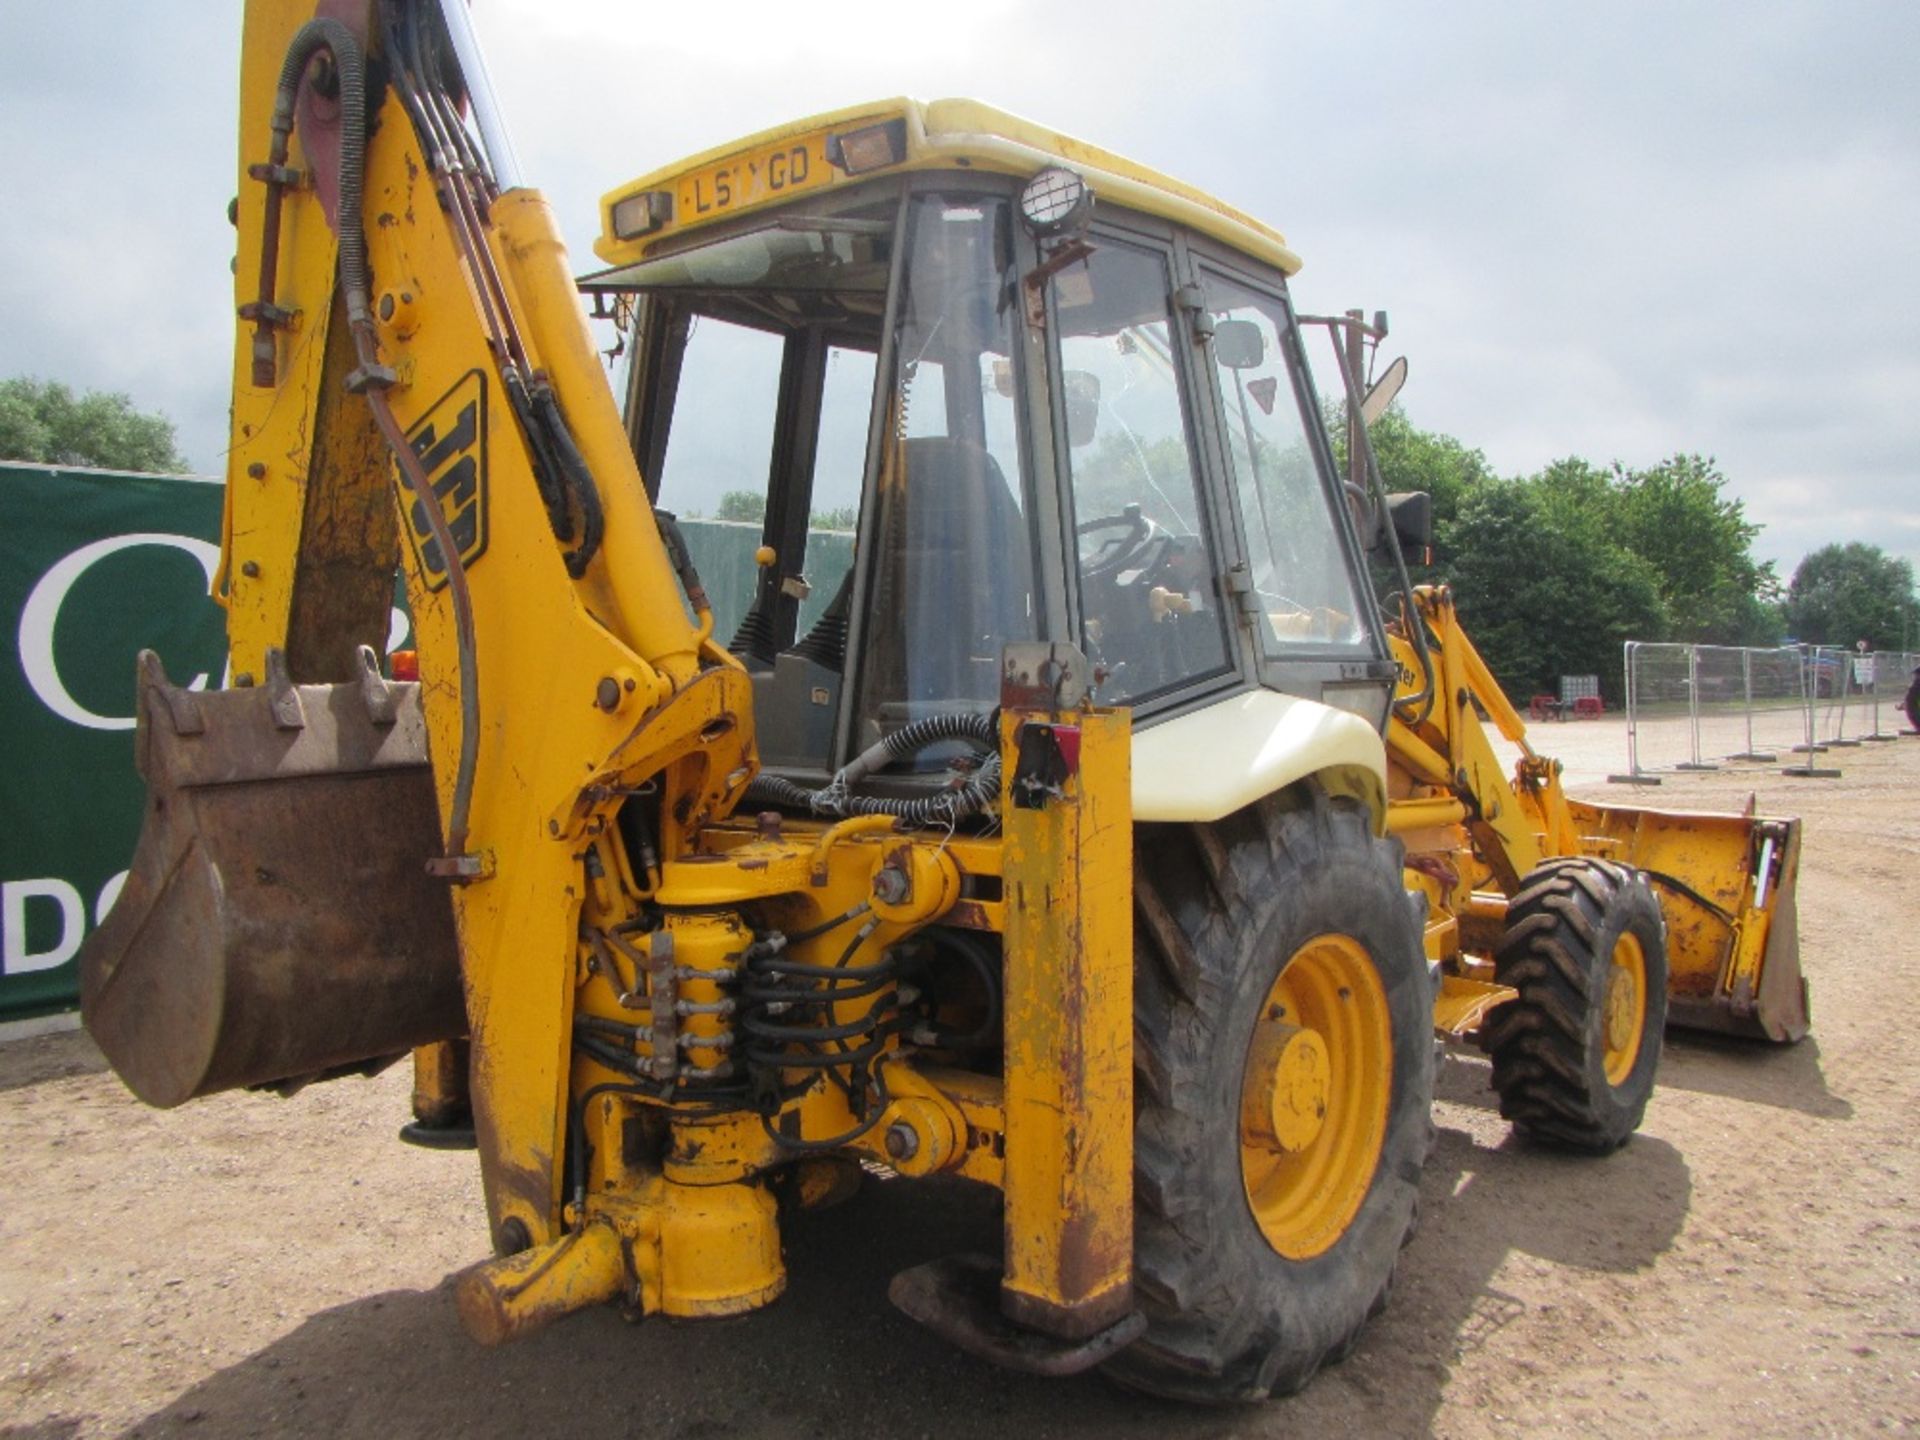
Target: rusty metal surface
<point>958,1298</point>
<point>349,543</point>
<point>278,921</point>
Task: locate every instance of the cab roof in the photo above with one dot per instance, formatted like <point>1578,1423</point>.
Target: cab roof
<point>807,159</point>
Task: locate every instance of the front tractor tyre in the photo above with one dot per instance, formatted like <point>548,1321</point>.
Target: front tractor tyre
<point>1574,1056</point>
<point>1284,1081</point>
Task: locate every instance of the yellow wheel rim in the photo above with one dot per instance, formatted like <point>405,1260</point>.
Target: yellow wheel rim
<point>1313,1097</point>
<point>1625,1016</point>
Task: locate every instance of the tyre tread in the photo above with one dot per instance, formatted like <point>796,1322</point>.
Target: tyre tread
<point>1549,1081</point>
<point>1201,1344</point>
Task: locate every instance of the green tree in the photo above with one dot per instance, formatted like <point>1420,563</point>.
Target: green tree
<point>840,517</point>
<point>44,422</point>
<point>742,505</point>
<point>1414,459</point>
<point>1842,594</point>
<point>1699,544</point>
<point>1541,588</point>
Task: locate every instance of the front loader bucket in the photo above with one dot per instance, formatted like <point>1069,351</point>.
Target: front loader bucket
<point>1727,887</point>
<point>278,924</point>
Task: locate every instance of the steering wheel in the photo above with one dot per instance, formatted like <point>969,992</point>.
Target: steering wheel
<point>1109,558</point>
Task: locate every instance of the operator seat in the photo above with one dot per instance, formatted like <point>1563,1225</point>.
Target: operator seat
<point>966,546</point>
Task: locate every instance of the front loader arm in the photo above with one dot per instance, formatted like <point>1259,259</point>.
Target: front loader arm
<point>1725,882</point>
<point>1446,758</point>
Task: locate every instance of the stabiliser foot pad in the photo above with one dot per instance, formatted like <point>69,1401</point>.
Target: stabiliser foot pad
<point>958,1298</point>
<point>440,1137</point>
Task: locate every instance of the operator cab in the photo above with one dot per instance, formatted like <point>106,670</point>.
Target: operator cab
<point>918,381</point>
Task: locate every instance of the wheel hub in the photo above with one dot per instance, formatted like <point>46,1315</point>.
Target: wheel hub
<point>1313,1096</point>
<point>1621,1003</point>
<point>1624,1010</point>
<point>1294,1060</point>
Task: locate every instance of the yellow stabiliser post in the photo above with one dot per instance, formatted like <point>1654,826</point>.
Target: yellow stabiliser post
<point>1069,1037</point>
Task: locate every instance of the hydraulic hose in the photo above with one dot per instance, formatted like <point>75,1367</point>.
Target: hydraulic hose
<point>350,71</point>
<point>979,791</point>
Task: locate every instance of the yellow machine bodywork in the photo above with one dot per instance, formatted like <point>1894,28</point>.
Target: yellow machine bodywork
<point>554,699</point>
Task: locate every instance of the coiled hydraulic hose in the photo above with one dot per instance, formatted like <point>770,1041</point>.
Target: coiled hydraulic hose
<point>350,72</point>
<point>975,794</point>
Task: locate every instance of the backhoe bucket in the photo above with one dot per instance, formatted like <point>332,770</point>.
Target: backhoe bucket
<point>278,924</point>
<point>1727,887</point>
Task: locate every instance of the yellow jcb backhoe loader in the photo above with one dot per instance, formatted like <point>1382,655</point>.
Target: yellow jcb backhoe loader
<point>940,727</point>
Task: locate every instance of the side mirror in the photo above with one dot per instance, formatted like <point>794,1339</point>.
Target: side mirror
<point>1410,513</point>
<point>1384,391</point>
<point>1083,406</point>
<point>1239,345</point>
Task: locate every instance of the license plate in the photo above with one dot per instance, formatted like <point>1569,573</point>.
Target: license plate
<point>791,167</point>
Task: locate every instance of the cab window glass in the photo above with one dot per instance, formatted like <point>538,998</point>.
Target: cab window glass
<point>719,454</point>
<point>846,403</point>
<point>1294,548</point>
<point>1149,617</point>
<point>952,573</point>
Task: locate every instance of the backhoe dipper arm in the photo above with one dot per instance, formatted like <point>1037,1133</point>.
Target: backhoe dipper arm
<point>558,664</point>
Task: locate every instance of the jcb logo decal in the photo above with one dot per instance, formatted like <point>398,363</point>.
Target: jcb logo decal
<point>451,441</point>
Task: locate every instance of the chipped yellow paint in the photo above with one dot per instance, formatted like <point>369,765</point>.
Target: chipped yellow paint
<point>1069,1038</point>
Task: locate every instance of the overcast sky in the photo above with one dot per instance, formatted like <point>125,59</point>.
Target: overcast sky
<point>1611,230</point>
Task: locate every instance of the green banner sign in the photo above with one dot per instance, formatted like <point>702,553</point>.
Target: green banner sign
<point>94,567</point>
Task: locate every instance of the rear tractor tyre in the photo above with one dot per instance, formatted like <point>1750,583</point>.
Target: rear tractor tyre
<point>1574,1056</point>
<point>1282,1044</point>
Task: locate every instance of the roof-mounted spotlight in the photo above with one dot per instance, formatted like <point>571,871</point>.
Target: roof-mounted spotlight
<point>1057,201</point>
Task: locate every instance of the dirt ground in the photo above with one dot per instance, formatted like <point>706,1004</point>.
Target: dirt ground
<point>1749,1265</point>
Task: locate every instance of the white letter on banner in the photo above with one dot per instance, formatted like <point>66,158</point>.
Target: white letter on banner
<point>109,893</point>
<point>42,610</point>
<point>15,958</point>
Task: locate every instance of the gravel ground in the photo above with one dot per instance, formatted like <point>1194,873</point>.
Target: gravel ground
<point>1749,1265</point>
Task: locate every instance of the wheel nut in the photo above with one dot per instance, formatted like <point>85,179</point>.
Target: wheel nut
<point>903,1142</point>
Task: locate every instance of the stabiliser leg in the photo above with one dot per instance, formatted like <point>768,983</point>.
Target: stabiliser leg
<point>1063,1301</point>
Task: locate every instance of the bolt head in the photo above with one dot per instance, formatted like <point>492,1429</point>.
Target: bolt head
<point>903,1141</point>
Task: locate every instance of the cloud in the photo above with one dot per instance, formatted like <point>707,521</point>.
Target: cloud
<point>1619,231</point>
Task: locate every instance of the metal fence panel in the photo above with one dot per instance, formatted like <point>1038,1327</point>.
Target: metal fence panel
<point>1830,686</point>
<point>1721,718</point>
<point>1659,712</point>
<point>1692,707</point>
<point>1776,702</point>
